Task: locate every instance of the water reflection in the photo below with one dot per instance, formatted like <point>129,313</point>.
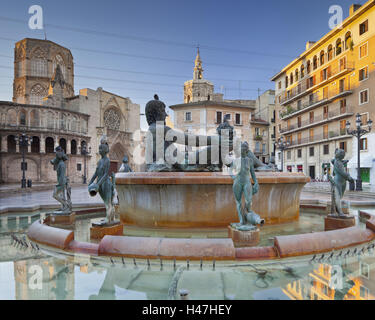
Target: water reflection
<point>27,274</point>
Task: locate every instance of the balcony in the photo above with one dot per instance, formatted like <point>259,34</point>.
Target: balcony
<point>258,137</point>
<point>60,129</point>
<point>315,101</point>
<point>335,114</point>
<point>320,138</point>
<point>307,85</point>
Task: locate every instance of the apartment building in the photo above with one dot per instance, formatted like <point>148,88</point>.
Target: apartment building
<point>322,89</point>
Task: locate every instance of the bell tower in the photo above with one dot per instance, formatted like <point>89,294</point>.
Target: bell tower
<point>198,89</point>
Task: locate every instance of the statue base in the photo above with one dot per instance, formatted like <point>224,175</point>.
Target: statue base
<point>333,222</point>
<point>61,219</point>
<point>99,230</point>
<point>240,238</point>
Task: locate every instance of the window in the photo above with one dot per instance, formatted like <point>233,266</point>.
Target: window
<point>324,74</point>
<point>363,74</point>
<point>286,82</point>
<point>308,66</point>
<point>187,116</point>
<point>342,127</point>
<point>321,57</point>
<point>338,47</point>
<point>238,118</point>
<point>219,116</point>
<point>296,74</point>
<point>263,148</point>
<point>325,131</point>
<point>299,153</point>
<point>73,147</point>
<point>58,60</point>
<point>326,149</point>
<point>299,104</point>
<point>343,106</point>
<point>299,137</point>
<point>302,71</point>
<point>330,53</point>
<point>311,151</point>
<point>228,116</point>
<point>325,112</point>
<point>365,270</point>
<point>342,64</point>
<point>35,145</point>
<point>299,121</point>
<point>342,86</point>
<point>315,62</point>
<point>363,97</point>
<point>343,145</point>
<point>363,51</point>
<point>291,78</point>
<point>37,94</point>
<point>79,166</point>
<point>363,144</point>
<point>363,27</point>
<point>23,118</point>
<point>348,41</point>
<point>311,117</point>
<point>325,92</point>
<point>289,155</point>
<point>279,84</point>
<point>49,145</point>
<point>311,135</point>
<point>39,67</point>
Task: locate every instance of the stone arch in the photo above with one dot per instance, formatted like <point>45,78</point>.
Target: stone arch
<point>116,154</point>
<point>14,172</point>
<point>11,117</point>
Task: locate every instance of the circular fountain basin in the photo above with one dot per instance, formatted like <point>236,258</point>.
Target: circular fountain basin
<point>203,199</point>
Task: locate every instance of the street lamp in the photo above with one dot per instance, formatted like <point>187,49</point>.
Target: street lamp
<point>23,141</point>
<point>85,152</point>
<point>281,144</point>
<point>358,132</point>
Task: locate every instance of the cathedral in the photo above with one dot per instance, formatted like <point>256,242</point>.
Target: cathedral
<point>46,109</point>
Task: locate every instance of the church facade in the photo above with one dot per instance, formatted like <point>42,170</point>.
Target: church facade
<point>45,108</point>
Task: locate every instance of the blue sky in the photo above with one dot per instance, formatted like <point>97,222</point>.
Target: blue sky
<point>243,43</point>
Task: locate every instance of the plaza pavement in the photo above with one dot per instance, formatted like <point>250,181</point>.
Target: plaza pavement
<point>33,199</point>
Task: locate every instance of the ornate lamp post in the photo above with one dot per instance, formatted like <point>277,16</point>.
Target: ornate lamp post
<point>281,144</point>
<point>85,152</point>
<point>358,132</point>
<point>23,141</point>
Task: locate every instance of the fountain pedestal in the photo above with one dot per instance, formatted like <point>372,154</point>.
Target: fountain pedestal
<point>244,238</point>
<point>333,222</point>
<point>203,199</point>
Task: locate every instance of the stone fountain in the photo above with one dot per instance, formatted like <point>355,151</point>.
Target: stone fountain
<point>197,194</point>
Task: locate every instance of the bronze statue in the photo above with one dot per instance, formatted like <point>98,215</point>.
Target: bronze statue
<point>338,183</point>
<point>62,192</point>
<point>105,184</point>
<point>125,165</point>
<point>161,139</point>
<point>242,186</point>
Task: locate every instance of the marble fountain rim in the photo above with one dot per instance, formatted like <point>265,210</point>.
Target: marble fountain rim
<point>221,249</point>
<point>205,178</point>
